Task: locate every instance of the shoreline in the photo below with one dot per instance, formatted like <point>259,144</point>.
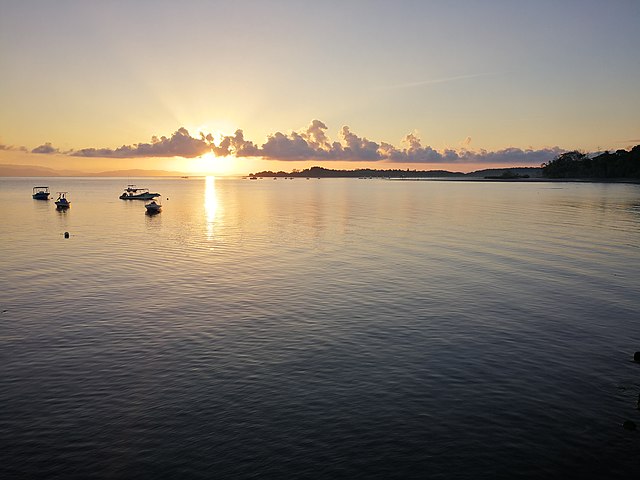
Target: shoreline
<point>635,181</point>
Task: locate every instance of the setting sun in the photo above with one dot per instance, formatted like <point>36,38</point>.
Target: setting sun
<point>209,164</point>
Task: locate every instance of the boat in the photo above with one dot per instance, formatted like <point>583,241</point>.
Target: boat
<point>40,193</point>
<point>62,203</point>
<point>137,193</point>
<point>153,207</point>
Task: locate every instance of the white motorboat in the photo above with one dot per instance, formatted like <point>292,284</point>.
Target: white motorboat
<point>40,193</point>
<point>137,193</point>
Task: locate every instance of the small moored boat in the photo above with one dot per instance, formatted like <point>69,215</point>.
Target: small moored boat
<point>40,193</point>
<point>137,193</point>
<point>62,202</point>
<point>153,207</point>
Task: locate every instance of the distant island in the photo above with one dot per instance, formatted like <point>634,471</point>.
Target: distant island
<point>321,172</point>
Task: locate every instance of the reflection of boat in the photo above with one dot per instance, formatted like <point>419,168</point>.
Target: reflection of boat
<point>153,207</point>
<point>134,193</point>
<point>62,202</point>
<point>40,193</point>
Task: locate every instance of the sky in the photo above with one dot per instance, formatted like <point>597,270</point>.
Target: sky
<point>232,87</point>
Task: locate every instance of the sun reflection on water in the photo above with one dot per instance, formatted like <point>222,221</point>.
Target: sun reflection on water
<point>211,205</point>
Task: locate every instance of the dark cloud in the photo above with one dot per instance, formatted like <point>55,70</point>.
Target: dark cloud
<point>513,155</point>
<point>47,148</point>
<point>180,144</point>
<point>314,144</point>
<point>290,147</point>
<point>414,152</point>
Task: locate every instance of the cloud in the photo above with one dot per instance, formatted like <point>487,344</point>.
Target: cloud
<point>46,148</point>
<point>416,153</point>
<point>316,135</point>
<point>13,148</point>
<point>312,143</point>
<point>433,81</point>
<point>513,155</point>
<point>235,144</point>
<point>290,147</point>
<point>359,148</point>
<point>180,144</point>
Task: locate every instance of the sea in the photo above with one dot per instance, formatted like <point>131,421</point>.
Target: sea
<point>320,329</point>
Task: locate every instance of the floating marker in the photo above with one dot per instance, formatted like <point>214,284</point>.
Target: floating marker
<point>66,234</point>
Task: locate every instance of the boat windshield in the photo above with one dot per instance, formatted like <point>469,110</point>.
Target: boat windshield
<point>133,189</point>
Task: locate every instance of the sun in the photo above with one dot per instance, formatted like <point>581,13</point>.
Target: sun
<point>209,164</point>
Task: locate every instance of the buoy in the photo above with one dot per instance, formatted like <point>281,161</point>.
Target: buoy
<point>629,425</point>
<point>636,357</point>
<point>66,234</point>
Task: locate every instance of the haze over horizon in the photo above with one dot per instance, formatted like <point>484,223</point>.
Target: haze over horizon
<point>229,88</point>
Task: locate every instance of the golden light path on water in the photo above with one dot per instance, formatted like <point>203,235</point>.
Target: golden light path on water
<point>211,205</point>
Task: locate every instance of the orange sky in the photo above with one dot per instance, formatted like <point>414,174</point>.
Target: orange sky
<point>95,86</point>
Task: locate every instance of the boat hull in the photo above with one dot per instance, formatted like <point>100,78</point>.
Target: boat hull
<point>142,196</point>
<point>40,196</point>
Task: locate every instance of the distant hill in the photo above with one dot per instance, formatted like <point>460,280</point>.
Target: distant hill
<point>34,171</point>
<point>38,171</point>
<point>532,172</point>
<point>138,173</point>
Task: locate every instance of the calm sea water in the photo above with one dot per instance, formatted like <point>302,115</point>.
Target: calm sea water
<point>320,329</point>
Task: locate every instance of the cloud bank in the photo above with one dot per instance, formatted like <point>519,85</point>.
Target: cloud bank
<point>13,148</point>
<point>312,143</point>
<point>180,144</point>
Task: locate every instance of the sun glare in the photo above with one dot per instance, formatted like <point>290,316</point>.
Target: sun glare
<point>209,164</point>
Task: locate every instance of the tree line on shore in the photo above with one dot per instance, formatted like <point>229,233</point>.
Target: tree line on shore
<point>620,164</point>
<point>321,172</point>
